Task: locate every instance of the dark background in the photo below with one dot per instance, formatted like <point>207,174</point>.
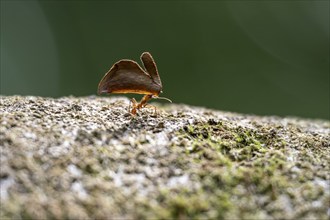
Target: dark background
<point>259,57</point>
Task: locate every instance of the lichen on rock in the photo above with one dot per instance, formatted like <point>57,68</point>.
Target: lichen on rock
<point>88,157</point>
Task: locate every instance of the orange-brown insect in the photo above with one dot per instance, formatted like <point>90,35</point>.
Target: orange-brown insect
<point>126,76</point>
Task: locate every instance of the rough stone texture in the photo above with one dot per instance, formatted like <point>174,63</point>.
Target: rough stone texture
<point>87,157</point>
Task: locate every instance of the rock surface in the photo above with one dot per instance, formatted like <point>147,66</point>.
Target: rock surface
<point>87,157</point>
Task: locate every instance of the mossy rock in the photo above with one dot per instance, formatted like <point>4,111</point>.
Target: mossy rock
<point>79,158</point>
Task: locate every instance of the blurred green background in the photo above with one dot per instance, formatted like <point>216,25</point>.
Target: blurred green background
<point>259,57</point>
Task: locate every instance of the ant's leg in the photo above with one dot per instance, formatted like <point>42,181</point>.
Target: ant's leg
<point>144,101</point>
<point>134,106</point>
<point>133,102</point>
<point>137,106</point>
<point>153,107</point>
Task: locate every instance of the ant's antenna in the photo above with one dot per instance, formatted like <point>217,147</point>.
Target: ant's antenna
<point>157,97</point>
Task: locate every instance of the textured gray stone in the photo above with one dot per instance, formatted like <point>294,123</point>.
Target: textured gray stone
<point>89,158</point>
